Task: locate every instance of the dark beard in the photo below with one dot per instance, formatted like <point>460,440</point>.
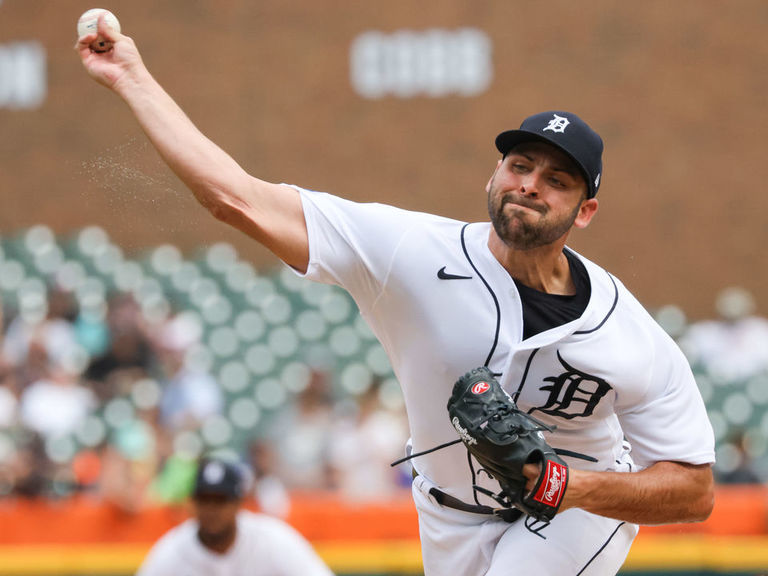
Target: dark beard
<point>526,236</point>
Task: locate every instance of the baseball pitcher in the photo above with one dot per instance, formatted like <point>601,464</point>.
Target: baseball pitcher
<point>550,416</point>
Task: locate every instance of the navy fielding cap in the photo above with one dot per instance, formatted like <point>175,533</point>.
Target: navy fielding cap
<point>567,132</point>
<point>219,478</point>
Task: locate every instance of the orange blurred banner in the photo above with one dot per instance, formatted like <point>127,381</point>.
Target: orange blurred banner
<point>739,511</point>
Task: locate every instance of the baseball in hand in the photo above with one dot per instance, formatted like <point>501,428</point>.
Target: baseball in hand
<point>88,23</point>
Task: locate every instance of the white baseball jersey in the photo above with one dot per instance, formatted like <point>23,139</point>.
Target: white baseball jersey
<point>264,546</point>
<point>441,305</point>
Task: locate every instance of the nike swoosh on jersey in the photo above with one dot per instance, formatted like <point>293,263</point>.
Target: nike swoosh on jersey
<point>443,275</point>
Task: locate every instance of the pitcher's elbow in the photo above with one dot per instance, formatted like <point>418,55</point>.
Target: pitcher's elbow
<point>220,211</point>
<point>222,207</point>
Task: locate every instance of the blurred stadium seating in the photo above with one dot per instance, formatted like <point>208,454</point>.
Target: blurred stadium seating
<point>262,334</point>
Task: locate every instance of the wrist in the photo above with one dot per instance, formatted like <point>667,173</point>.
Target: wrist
<point>580,488</point>
<point>133,82</point>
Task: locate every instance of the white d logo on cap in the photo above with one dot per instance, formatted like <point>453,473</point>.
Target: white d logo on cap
<point>557,124</point>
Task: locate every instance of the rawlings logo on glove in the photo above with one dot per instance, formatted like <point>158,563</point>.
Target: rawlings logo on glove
<point>552,489</point>
<point>503,439</point>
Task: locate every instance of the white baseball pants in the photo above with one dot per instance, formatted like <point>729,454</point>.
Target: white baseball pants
<point>576,542</point>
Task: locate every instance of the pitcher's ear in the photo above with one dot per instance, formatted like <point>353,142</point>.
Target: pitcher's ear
<point>587,211</point>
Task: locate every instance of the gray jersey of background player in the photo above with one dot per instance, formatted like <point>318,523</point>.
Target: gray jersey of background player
<point>222,539</point>
<point>569,342</point>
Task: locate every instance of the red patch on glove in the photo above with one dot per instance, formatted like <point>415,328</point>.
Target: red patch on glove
<point>552,488</point>
<point>481,388</point>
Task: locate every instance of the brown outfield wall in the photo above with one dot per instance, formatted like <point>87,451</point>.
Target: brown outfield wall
<point>677,89</point>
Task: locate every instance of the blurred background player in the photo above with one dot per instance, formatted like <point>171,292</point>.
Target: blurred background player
<point>224,539</point>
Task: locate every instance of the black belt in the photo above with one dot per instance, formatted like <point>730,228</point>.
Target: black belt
<point>507,514</point>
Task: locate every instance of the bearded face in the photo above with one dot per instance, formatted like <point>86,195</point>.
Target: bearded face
<point>534,196</point>
<point>524,224</point>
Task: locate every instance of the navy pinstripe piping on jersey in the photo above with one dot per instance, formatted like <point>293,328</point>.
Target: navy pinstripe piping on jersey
<point>601,548</point>
<point>490,290</point>
<point>608,315</point>
<point>525,374</point>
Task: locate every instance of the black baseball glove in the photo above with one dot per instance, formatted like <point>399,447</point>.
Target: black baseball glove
<point>502,439</point>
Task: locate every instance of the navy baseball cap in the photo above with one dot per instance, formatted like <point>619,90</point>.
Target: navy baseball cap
<point>567,132</point>
<point>218,478</point>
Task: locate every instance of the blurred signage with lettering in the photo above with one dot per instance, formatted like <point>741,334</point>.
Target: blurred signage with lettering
<point>433,63</point>
<point>23,75</point>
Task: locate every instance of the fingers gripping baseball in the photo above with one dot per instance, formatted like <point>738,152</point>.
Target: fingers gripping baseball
<point>107,55</point>
<point>508,444</point>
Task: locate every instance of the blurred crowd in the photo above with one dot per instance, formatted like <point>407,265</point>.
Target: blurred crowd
<point>104,407</point>
<point>128,393</point>
<point>729,357</point>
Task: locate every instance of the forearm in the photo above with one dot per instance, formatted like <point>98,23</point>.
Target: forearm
<point>272,214</point>
<point>216,180</point>
<point>667,492</point>
<point>269,213</point>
